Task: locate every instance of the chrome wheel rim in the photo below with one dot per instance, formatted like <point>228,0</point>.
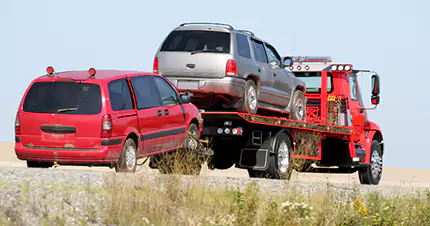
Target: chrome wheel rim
<point>299,109</point>
<point>130,157</point>
<point>192,143</point>
<point>376,165</point>
<point>252,98</point>
<point>283,157</point>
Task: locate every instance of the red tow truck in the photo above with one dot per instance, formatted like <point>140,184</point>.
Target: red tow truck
<point>336,137</point>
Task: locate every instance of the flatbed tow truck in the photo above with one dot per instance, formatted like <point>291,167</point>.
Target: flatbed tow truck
<point>336,136</point>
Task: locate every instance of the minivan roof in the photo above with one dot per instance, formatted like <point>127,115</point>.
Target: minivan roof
<point>100,74</point>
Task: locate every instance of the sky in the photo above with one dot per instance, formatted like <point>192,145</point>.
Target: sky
<point>390,37</point>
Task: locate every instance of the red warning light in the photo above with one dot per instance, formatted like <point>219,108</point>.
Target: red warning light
<point>92,71</point>
<point>50,70</point>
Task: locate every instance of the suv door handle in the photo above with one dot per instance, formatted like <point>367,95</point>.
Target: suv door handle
<point>166,112</point>
<point>159,113</point>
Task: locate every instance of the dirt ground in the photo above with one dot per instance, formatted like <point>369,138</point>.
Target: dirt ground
<point>391,176</point>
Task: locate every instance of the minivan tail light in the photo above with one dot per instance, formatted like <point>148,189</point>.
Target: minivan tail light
<point>106,126</point>
<point>231,69</point>
<point>155,66</point>
<point>17,124</point>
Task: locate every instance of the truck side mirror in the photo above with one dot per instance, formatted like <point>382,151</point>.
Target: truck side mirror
<point>287,62</point>
<point>375,85</point>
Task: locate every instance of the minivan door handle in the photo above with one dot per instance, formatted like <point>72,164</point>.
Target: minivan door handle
<point>166,112</point>
<point>159,113</point>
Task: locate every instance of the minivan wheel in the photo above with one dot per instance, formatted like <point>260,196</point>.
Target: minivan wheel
<point>298,109</point>
<point>250,99</point>
<point>128,160</point>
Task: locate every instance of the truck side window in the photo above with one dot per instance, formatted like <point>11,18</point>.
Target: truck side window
<point>353,87</point>
<point>273,55</point>
<point>145,92</point>
<point>259,51</point>
<point>243,46</point>
<point>120,95</point>
<point>167,93</point>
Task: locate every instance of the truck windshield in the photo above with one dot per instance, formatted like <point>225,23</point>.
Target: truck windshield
<point>63,98</point>
<point>197,41</point>
<point>313,81</point>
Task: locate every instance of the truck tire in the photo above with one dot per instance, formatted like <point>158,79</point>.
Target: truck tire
<point>280,163</point>
<point>373,173</point>
<point>250,98</point>
<point>298,106</point>
<point>128,160</point>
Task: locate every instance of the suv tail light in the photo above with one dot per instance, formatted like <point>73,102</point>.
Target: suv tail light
<point>231,69</point>
<point>106,126</point>
<point>155,66</point>
<point>17,124</point>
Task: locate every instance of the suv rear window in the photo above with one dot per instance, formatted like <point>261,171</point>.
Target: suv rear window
<point>189,41</point>
<point>63,98</point>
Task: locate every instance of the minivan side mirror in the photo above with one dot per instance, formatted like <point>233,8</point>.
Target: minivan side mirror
<point>287,62</point>
<point>185,99</point>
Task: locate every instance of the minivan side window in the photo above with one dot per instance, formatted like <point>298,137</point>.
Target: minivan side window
<point>243,46</point>
<point>259,51</point>
<point>145,92</point>
<point>167,93</point>
<point>120,95</point>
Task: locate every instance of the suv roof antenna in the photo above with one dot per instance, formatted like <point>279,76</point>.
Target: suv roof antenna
<point>207,23</point>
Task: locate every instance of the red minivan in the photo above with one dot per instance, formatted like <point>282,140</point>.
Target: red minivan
<point>108,117</point>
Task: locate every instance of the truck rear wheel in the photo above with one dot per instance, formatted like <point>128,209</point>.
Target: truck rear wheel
<point>373,173</point>
<point>279,163</point>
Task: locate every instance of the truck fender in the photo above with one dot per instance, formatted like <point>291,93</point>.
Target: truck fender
<point>275,137</point>
<point>372,135</point>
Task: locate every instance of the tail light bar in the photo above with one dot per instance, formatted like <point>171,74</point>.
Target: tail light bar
<point>155,65</point>
<point>17,124</point>
<point>231,69</point>
<point>106,126</point>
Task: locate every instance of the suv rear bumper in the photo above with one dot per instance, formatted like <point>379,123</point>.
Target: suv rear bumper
<point>103,154</point>
<point>233,86</point>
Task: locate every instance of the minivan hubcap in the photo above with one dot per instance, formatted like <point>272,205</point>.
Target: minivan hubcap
<point>130,157</point>
<point>283,157</point>
<point>192,142</point>
<point>376,165</point>
<point>299,109</point>
<point>252,98</point>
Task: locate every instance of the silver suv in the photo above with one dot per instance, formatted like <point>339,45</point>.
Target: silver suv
<point>222,68</point>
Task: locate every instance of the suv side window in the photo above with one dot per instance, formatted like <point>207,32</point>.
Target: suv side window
<point>259,51</point>
<point>167,93</point>
<point>145,91</point>
<point>273,55</point>
<point>243,46</point>
<point>120,95</point>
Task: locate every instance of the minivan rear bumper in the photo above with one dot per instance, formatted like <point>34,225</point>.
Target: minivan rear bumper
<point>233,86</point>
<point>102,154</point>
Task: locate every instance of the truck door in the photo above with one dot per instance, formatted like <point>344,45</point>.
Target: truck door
<point>357,116</point>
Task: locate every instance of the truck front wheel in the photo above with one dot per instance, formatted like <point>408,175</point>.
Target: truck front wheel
<point>279,162</point>
<point>373,173</point>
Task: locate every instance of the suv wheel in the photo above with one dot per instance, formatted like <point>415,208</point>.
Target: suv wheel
<point>298,109</point>
<point>250,103</point>
<point>128,159</point>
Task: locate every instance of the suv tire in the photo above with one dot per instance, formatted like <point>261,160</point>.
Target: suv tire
<point>250,105</point>
<point>298,108</point>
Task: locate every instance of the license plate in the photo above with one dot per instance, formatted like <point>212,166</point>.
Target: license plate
<point>188,84</point>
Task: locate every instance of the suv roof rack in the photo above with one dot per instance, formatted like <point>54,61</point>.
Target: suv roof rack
<point>314,59</point>
<point>207,23</point>
<point>246,31</point>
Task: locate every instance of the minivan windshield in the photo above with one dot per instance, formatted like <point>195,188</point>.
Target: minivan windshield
<point>313,81</point>
<point>197,41</point>
<point>63,98</point>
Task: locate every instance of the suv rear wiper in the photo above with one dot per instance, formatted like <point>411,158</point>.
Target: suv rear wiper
<point>67,109</point>
<point>204,51</point>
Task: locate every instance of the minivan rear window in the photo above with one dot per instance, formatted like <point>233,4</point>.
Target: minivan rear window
<point>63,98</point>
<point>190,41</point>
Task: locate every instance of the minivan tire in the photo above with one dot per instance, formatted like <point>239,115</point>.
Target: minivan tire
<point>298,104</point>
<point>250,84</point>
<point>129,150</point>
